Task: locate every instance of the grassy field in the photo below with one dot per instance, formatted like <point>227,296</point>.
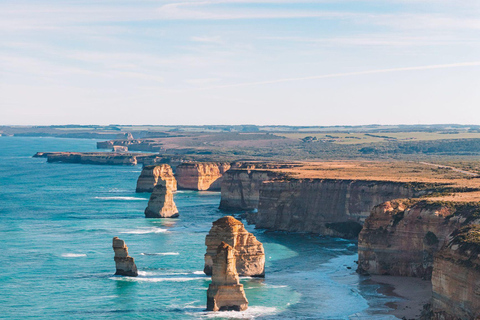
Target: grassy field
<point>359,138</point>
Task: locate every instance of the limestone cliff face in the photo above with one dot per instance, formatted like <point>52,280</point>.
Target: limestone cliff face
<point>225,292</point>
<point>125,264</point>
<point>201,175</point>
<point>327,207</point>
<point>151,175</point>
<point>249,253</point>
<point>160,204</point>
<point>456,277</point>
<point>401,237</point>
<point>241,188</point>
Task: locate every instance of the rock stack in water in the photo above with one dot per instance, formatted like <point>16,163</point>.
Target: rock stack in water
<point>249,253</point>
<point>152,175</point>
<point>124,263</point>
<point>161,203</point>
<point>225,292</point>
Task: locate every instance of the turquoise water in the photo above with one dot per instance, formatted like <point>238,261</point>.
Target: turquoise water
<point>57,222</point>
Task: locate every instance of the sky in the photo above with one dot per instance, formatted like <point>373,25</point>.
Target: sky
<point>265,62</point>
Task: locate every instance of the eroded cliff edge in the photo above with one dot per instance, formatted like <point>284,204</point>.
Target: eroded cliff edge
<point>325,206</point>
<point>201,175</point>
<point>151,175</point>
<point>456,277</point>
<point>401,237</point>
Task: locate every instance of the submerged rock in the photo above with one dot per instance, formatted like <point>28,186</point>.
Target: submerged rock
<point>161,203</point>
<point>225,292</point>
<point>124,263</point>
<point>249,252</point>
<point>153,175</point>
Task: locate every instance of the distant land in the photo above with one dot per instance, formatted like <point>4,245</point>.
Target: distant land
<point>445,142</point>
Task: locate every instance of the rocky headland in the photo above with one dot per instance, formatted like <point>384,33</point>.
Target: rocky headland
<point>401,237</point>
<point>161,204</point>
<point>456,277</point>
<point>240,188</point>
<point>225,292</point>
<point>125,264</point>
<point>325,206</point>
<point>151,175</point>
<point>101,158</point>
<point>201,175</point>
<point>249,252</point>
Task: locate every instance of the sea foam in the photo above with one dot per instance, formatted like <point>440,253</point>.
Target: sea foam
<point>122,198</point>
<point>160,254</point>
<point>73,255</point>
<point>146,230</point>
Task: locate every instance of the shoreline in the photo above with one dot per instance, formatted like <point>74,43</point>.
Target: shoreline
<point>414,293</point>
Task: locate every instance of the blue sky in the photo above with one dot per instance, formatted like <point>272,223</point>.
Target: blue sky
<point>316,62</point>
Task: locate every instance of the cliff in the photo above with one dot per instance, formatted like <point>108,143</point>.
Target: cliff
<point>151,175</point>
<point>401,237</point>
<point>456,277</point>
<point>160,204</point>
<point>201,175</point>
<point>240,189</point>
<point>125,264</point>
<point>324,206</point>
<point>225,292</point>
<point>249,253</point>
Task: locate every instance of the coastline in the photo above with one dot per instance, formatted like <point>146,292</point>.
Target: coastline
<point>413,294</point>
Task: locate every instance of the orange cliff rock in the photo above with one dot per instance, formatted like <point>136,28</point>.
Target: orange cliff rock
<point>249,252</point>
<point>201,175</point>
<point>125,264</point>
<point>151,175</point>
<point>401,237</point>
<point>225,292</point>
<point>161,203</point>
<point>456,277</point>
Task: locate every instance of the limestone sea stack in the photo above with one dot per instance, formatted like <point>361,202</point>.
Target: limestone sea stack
<point>201,175</point>
<point>151,175</point>
<point>249,252</point>
<point>161,203</point>
<point>225,293</point>
<point>124,263</point>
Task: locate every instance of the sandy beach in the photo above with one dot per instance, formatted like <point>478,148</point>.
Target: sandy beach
<point>414,293</point>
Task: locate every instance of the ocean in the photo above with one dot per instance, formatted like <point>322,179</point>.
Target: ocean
<point>57,222</point>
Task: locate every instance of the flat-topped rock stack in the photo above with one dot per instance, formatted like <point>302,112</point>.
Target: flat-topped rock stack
<point>225,293</point>
<point>201,175</point>
<point>160,204</point>
<point>152,175</point>
<point>249,252</point>
<point>124,263</point>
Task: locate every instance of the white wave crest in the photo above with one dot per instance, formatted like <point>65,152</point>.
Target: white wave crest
<point>172,279</point>
<point>73,255</point>
<point>160,254</point>
<point>198,272</point>
<point>122,198</point>
<point>250,313</point>
<point>146,230</point>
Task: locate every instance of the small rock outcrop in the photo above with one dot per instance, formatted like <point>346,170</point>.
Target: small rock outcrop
<point>161,203</point>
<point>201,175</point>
<point>152,175</point>
<point>456,277</point>
<point>249,252</point>
<point>225,293</point>
<point>124,263</point>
